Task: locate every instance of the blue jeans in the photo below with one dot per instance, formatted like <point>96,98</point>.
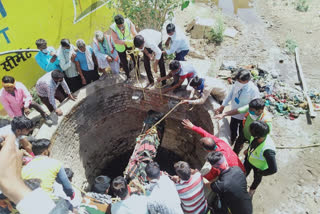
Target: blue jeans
<point>62,179</point>
<point>180,56</point>
<point>62,207</point>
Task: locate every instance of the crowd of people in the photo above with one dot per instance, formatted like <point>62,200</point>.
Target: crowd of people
<point>40,184</point>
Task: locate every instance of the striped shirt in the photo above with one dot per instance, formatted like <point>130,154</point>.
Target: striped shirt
<point>46,87</point>
<point>191,194</point>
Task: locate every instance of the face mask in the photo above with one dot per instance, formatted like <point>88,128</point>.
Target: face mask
<point>238,85</point>
<point>141,49</point>
<point>45,51</point>
<point>252,113</point>
<point>67,51</point>
<point>254,117</point>
<point>173,35</point>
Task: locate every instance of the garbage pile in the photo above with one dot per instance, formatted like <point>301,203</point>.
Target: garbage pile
<point>280,98</point>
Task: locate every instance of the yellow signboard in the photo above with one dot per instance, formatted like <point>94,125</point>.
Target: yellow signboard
<point>22,22</point>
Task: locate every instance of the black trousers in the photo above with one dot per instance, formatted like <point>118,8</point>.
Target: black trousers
<point>59,95</point>
<point>235,128</point>
<point>147,67</point>
<point>90,76</point>
<point>74,83</point>
<point>257,177</point>
<point>239,143</point>
<point>124,61</point>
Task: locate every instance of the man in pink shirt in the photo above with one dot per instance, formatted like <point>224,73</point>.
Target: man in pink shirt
<point>17,100</point>
<point>212,143</point>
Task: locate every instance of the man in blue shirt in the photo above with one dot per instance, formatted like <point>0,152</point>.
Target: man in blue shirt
<point>86,63</point>
<point>46,57</point>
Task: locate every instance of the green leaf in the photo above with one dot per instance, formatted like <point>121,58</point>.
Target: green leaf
<point>185,5</point>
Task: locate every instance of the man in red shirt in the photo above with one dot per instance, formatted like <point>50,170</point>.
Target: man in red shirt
<point>212,143</point>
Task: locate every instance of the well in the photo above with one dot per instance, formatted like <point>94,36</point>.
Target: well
<point>97,133</point>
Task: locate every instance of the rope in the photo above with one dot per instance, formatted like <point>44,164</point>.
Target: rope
<point>159,86</point>
<point>164,117</point>
<point>135,53</point>
<point>142,136</point>
<point>138,185</point>
<point>297,147</point>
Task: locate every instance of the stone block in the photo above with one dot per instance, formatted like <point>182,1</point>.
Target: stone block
<point>201,28</point>
<point>230,32</point>
<point>196,54</point>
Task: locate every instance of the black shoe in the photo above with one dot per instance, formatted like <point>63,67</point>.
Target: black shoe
<point>150,85</point>
<point>128,80</point>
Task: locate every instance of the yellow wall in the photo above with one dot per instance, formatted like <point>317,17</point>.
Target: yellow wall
<point>28,20</point>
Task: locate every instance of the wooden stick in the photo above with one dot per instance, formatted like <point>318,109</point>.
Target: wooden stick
<point>304,84</point>
<point>298,147</point>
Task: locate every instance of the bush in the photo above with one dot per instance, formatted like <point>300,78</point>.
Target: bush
<point>35,96</point>
<point>216,34</point>
<point>302,5</point>
<point>291,46</point>
<point>149,13</point>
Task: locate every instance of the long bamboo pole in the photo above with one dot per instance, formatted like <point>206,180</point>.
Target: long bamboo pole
<point>304,84</point>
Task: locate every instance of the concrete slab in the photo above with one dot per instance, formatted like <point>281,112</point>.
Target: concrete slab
<point>230,32</point>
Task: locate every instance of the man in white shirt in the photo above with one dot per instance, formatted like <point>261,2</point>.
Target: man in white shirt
<point>242,92</point>
<point>66,55</point>
<point>149,41</point>
<point>19,127</point>
<point>163,196</point>
<point>179,43</point>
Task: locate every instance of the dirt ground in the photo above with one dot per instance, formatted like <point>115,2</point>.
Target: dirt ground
<point>263,30</point>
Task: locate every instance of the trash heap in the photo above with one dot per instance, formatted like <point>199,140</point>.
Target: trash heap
<point>280,98</point>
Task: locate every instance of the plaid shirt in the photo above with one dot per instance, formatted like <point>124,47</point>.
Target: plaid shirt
<point>46,87</point>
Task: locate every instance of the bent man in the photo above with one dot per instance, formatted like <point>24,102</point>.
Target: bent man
<point>179,43</point>
<point>179,71</point>
<point>212,143</point>
<point>149,42</point>
<point>51,86</point>
<point>255,111</point>
<point>206,87</point>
